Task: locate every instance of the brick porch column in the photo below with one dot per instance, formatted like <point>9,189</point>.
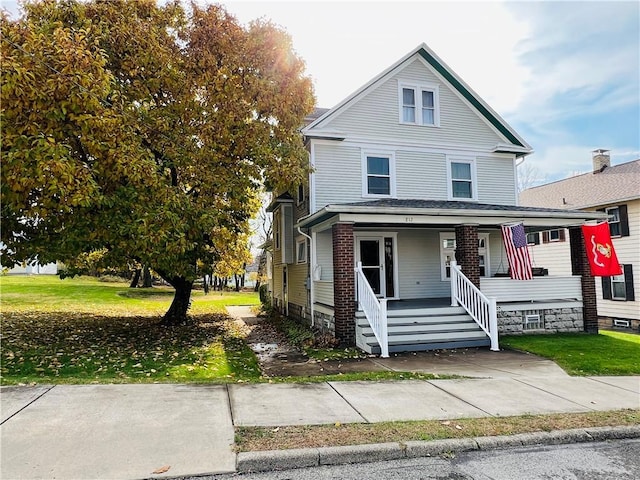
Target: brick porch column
<point>344,288</point>
<point>467,252</point>
<point>580,266</point>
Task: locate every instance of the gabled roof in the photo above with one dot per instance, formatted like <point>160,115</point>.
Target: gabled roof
<point>612,185</point>
<point>483,109</point>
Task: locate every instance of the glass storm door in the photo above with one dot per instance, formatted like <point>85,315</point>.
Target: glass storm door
<point>372,265</point>
<point>376,255</point>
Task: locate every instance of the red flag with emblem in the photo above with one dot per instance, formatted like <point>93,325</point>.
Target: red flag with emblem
<point>602,257</point>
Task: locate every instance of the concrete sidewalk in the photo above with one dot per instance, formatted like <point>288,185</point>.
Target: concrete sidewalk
<point>130,431</point>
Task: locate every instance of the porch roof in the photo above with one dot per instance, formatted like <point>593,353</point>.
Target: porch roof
<point>409,212</point>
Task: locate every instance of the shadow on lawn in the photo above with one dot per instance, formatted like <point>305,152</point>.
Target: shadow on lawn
<point>63,347</point>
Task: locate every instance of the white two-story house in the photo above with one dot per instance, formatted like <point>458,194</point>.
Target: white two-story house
<point>395,243</point>
<point>614,190</point>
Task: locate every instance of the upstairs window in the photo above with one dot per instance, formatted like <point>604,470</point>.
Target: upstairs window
<point>419,104</point>
<point>461,173</point>
<point>300,198</point>
<point>378,179</point>
<point>618,220</point>
<point>614,221</point>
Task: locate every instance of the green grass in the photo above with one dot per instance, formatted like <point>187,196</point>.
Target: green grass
<point>82,330</point>
<point>608,353</point>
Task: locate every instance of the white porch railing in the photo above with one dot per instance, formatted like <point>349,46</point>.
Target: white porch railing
<point>375,310</point>
<point>480,307</point>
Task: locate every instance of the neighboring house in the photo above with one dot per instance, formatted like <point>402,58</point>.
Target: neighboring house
<point>410,172</point>
<point>616,191</point>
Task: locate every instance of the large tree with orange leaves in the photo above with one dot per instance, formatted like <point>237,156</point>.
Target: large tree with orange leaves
<point>143,131</point>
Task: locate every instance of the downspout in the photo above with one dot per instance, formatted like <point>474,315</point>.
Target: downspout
<point>311,267</point>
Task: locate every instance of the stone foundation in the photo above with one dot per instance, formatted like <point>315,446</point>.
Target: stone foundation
<point>325,322</point>
<point>552,320</point>
<point>609,324</point>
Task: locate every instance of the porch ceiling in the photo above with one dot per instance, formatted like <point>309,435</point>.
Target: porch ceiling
<point>414,213</point>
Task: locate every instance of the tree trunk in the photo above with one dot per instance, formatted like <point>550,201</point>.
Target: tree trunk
<point>177,313</point>
<point>205,284</point>
<point>147,281</point>
<point>135,279</point>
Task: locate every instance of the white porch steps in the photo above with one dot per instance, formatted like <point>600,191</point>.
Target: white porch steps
<point>421,329</point>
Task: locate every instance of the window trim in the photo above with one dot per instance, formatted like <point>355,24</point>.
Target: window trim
<point>300,198</point>
<point>474,177</point>
<point>301,242</point>
<point>418,88</point>
<point>486,252</point>
<point>365,173</point>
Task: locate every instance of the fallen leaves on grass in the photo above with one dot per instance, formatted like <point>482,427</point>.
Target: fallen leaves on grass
<point>81,347</point>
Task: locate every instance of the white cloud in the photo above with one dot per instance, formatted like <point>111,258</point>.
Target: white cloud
<point>562,161</point>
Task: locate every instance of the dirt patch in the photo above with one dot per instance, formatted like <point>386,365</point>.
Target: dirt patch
<point>279,358</point>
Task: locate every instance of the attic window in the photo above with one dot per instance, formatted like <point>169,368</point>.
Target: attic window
<point>419,104</point>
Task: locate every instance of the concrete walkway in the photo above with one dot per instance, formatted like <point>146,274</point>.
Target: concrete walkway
<point>132,431</point>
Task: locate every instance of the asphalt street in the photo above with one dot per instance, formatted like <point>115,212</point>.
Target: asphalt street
<point>611,460</point>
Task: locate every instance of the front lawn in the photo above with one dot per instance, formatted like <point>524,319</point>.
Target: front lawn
<point>608,353</point>
<point>82,330</point>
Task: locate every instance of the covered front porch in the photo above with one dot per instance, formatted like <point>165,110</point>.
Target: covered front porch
<point>376,256</point>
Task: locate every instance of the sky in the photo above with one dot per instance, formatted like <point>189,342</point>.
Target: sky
<point>565,75</point>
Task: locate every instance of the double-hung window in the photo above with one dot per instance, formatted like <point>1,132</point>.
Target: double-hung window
<point>614,221</point>
<point>301,251</point>
<point>619,287</point>
<point>461,173</point>
<point>378,175</point>
<point>448,250</point>
<point>419,104</point>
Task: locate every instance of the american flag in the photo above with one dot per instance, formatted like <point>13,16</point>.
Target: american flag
<point>515,243</point>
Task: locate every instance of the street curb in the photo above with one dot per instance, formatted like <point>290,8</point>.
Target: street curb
<point>269,460</point>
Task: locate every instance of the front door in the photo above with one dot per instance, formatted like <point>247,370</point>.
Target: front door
<point>376,255</point>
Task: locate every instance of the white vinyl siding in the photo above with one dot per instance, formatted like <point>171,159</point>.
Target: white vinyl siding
<point>421,175</point>
<point>627,252</point>
<point>323,293</point>
<point>376,115</point>
<point>324,254</point>
<point>340,178</point>
<point>418,270</point>
<point>540,289</point>
<point>495,180</point>
<point>554,256</point>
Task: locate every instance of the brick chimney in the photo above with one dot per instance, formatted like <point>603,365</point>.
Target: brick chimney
<point>601,160</point>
